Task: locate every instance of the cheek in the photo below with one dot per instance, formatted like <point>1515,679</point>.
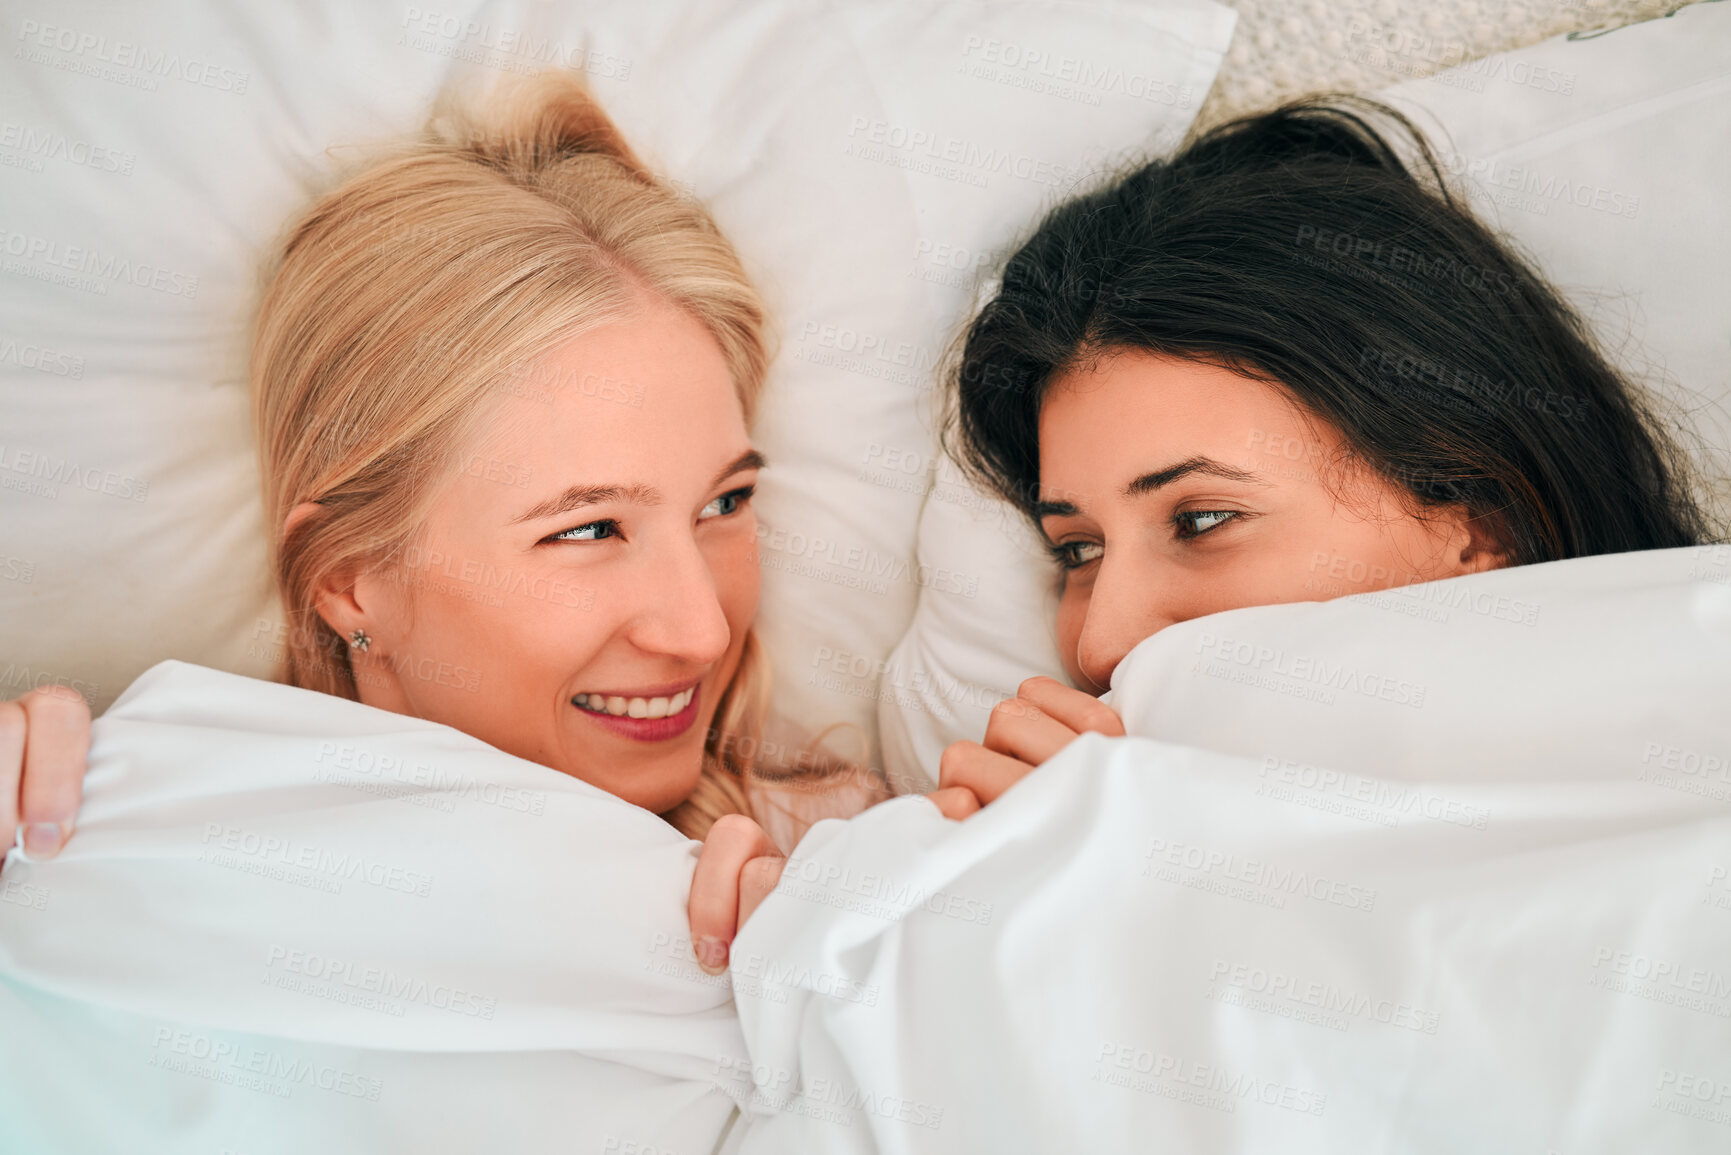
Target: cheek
<point>516,631</point>
<point>738,578</point>
<point>547,616</point>
<point>1363,557</point>
<point>1072,616</point>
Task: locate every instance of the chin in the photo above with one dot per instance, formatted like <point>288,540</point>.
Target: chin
<point>664,787</point>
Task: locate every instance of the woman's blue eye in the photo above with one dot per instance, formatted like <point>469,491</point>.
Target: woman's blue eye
<point>593,531</point>
<point>727,503</point>
<point>1196,522</point>
<point>1076,554</point>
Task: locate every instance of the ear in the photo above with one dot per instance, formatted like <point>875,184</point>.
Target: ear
<point>1474,544</point>
<point>334,599</point>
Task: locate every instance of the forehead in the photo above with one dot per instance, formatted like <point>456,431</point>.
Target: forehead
<point>648,394</point>
<point>1105,422</point>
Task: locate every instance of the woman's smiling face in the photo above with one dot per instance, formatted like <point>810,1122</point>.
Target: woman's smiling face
<point>1171,489</point>
<point>586,579</point>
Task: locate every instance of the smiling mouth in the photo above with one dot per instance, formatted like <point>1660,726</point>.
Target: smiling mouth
<point>619,706</point>
<point>646,718</point>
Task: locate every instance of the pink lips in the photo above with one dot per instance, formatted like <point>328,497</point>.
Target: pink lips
<point>647,729</point>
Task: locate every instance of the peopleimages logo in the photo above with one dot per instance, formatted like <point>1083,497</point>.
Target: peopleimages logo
<point>254,1068</point>
<point>1303,670</point>
<point>883,896</point>
<point>863,563</point>
<point>1205,1084</point>
<point>1071,77</point>
<point>829,1100</point>
<point>1172,861</point>
<point>1408,263</point>
<point>230,845</point>
<point>44,360</point>
<point>908,146</point>
<point>97,55</point>
<point>343,975</point>
<point>43,144</point>
<point>65,471</point>
<point>1393,800</point>
<point>1328,998</point>
<point>90,262</point>
<point>1663,980</point>
<point>471,39</point>
<point>1535,189</point>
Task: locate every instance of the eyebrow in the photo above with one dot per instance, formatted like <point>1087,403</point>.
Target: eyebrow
<point>1156,479</point>
<point>578,496</point>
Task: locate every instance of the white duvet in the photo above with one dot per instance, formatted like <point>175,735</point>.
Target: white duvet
<point>289,922</point>
<point>1444,869</point>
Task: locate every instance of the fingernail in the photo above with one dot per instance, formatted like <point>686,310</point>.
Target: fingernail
<point>711,954</point>
<point>42,839</point>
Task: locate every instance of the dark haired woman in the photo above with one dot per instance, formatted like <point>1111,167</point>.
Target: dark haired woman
<point>1285,365</point>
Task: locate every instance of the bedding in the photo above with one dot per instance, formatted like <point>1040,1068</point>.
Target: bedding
<point>1358,879</point>
<point>291,922</point>
<point>1354,882</point>
<point>1610,187</point>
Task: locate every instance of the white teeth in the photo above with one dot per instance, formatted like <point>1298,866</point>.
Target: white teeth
<point>635,707</point>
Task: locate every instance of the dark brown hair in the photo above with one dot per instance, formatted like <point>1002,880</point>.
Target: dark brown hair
<point>1299,248</point>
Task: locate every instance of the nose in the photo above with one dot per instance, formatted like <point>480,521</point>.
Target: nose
<point>676,607</point>
<point>1123,609</point>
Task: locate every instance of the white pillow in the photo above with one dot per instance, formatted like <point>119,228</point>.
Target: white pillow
<point>862,155</point>
<point>1626,219</point>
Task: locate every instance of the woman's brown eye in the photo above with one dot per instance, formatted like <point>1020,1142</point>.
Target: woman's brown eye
<point>1194,523</point>
<point>1076,554</point>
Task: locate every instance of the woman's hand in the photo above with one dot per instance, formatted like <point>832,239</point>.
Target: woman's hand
<point>44,738</point>
<point>736,870</point>
<point>1024,731</point>
<point>739,865</point>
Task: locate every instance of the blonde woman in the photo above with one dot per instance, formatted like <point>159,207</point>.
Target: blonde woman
<point>503,380</point>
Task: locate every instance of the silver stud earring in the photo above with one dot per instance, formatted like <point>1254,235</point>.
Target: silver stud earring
<point>360,641</point>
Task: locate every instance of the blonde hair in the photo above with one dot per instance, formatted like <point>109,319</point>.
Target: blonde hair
<point>403,300</point>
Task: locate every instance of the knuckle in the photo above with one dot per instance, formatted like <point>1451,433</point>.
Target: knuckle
<point>1105,719</point>
<point>57,706</point>
<point>54,691</point>
<point>733,828</point>
<point>952,762</point>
